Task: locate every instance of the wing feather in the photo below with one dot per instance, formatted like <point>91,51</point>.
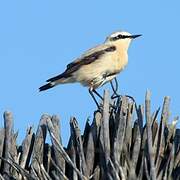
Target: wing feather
<point>91,55</point>
<point>88,57</point>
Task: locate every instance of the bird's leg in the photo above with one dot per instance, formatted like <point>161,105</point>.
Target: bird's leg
<point>94,91</point>
<point>115,94</point>
<point>115,89</point>
<point>130,97</point>
<point>97,94</point>
<point>92,95</point>
<point>91,91</point>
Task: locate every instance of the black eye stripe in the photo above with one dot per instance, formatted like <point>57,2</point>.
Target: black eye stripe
<point>120,36</point>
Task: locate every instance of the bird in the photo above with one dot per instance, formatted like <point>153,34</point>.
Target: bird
<point>98,65</point>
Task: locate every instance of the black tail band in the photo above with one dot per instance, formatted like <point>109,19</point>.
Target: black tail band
<point>45,87</point>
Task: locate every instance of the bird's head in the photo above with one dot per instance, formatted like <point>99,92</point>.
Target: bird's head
<point>121,38</point>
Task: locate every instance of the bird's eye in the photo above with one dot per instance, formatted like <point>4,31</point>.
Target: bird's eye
<point>120,36</point>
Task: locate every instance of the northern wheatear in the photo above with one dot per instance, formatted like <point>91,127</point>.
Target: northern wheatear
<point>98,65</point>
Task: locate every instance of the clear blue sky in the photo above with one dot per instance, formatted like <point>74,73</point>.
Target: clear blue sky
<point>38,39</point>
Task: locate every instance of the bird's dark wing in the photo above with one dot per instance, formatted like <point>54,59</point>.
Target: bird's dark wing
<point>91,55</point>
<point>87,58</point>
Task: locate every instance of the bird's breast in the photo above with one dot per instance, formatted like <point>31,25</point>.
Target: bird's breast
<point>121,61</point>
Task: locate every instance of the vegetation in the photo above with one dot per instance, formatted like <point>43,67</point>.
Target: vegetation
<point>124,141</point>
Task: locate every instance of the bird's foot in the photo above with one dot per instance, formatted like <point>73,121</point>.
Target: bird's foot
<point>117,98</point>
<point>130,97</point>
<point>112,105</point>
<point>114,96</point>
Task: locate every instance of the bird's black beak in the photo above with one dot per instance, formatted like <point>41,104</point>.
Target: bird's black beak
<point>135,36</point>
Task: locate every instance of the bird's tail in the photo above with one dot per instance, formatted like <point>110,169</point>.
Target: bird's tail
<point>46,86</point>
<point>60,79</point>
